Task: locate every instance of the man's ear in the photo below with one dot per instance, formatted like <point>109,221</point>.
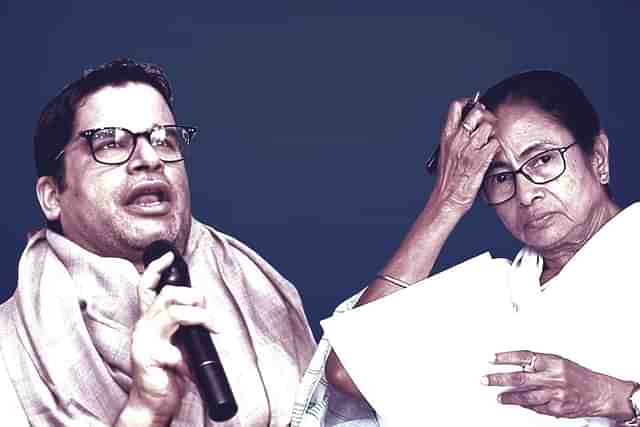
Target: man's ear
<point>48,194</point>
<point>600,158</point>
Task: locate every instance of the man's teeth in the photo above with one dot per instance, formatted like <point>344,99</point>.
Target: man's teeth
<point>147,199</point>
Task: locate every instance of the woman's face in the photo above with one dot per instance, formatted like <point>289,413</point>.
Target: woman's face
<point>548,216</point>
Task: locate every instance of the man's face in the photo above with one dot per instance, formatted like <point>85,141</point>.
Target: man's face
<point>118,210</point>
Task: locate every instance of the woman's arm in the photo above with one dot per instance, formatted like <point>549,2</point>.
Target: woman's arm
<point>464,158</point>
<point>412,262</point>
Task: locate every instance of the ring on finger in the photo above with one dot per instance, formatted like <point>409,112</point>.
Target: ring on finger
<point>531,366</point>
<point>467,127</point>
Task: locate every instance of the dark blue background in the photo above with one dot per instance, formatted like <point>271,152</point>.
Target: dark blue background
<point>316,117</point>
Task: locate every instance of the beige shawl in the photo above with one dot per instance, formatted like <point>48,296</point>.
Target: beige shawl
<point>66,332</point>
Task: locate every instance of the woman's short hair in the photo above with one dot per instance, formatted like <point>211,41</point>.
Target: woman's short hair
<point>553,93</point>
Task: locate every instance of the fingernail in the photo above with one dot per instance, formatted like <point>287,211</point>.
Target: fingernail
<point>493,359</point>
<point>484,380</point>
<point>499,398</point>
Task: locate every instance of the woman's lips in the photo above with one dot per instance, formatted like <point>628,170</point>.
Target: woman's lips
<point>539,221</point>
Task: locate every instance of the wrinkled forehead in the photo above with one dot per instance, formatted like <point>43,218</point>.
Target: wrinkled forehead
<point>522,130</point>
<point>135,106</point>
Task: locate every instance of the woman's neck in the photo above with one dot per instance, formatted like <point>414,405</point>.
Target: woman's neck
<point>556,257</point>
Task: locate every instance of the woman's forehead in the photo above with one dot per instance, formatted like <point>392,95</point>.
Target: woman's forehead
<point>522,130</point>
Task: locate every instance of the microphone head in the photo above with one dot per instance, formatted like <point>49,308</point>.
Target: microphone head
<point>156,249</point>
<point>177,273</point>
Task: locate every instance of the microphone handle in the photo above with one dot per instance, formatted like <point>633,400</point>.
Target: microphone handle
<point>208,371</point>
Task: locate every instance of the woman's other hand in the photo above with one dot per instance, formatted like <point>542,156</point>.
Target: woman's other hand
<point>552,385</point>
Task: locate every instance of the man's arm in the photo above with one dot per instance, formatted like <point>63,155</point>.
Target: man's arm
<point>158,366</point>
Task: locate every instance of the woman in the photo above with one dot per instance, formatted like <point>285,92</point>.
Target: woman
<point>534,149</point>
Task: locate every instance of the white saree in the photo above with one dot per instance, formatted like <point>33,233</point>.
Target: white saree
<point>587,313</point>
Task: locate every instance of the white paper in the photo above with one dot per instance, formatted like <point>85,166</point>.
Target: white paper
<point>418,355</point>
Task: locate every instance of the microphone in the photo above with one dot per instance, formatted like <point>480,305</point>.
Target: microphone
<point>195,340</point>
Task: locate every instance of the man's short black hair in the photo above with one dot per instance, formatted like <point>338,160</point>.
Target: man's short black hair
<point>53,130</point>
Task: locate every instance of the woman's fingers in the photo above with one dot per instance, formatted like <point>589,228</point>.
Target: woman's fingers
<point>552,385</point>
<point>529,398</point>
<point>524,358</point>
<point>475,116</point>
<point>453,118</point>
<point>514,379</point>
<point>532,373</point>
<point>466,150</point>
<point>477,154</point>
<point>475,130</point>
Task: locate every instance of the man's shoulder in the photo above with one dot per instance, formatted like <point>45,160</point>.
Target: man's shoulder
<point>252,262</point>
<point>238,246</point>
<point>242,252</point>
<point>233,242</point>
<point>11,407</point>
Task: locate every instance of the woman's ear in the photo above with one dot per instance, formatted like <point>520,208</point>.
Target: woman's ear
<point>600,157</point>
<point>48,193</point>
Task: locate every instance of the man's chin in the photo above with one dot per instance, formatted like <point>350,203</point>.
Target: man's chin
<point>143,235</point>
<point>140,232</point>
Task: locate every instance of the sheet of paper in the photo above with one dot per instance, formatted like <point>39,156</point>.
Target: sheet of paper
<point>418,355</point>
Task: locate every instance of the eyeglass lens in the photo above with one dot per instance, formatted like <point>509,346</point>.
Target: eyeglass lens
<point>544,167</point>
<point>115,145</point>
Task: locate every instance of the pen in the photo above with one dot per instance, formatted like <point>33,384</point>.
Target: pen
<point>432,163</point>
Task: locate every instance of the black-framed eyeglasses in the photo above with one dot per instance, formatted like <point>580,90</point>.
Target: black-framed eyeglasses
<point>115,145</point>
<point>540,169</point>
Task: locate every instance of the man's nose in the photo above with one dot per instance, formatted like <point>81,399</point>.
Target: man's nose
<point>144,156</point>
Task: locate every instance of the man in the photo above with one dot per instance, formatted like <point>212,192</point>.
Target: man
<point>86,339</point>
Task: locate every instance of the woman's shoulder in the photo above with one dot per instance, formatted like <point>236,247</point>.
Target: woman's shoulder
<point>11,407</point>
